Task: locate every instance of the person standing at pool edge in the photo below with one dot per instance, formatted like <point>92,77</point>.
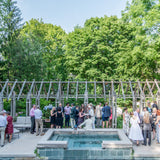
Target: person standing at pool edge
<point>106,114</point>
<point>67,111</point>
<point>38,120</point>
<point>91,113</point>
<point>32,118</point>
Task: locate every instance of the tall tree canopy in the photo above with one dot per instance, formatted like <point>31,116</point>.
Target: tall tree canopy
<point>103,49</point>
<point>91,51</point>
<point>10,24</point>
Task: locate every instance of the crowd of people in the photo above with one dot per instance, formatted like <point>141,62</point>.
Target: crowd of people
<point>77,116</point>
<point>142,124</point>
<point>136,125</point>
<point>6,126</point>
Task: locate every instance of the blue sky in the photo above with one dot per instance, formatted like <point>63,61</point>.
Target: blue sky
<point>69,13</point>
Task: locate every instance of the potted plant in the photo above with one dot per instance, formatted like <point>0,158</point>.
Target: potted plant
<point>47,115</point>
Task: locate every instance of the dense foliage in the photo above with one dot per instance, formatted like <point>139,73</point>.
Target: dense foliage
<point>103,49</point>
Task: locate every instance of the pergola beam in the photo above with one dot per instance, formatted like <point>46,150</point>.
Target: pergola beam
<point>124,97</point>
<point>104,90</point>
<point>6,83</point>
<point>40,88</point>
<point>21,90</point>
<point>77,91</point>
<point>50,84</point>
<point>12,89</point>
<point>67,90</point>
<point>30,90</point>
<point>149,87</point>
<point>95,94</point>
<point>157,85</point>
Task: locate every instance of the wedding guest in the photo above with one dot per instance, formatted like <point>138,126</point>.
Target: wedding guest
<point>67,111</point>
<point>126,119</point>
<point>157,129</point>
<point>141,120</point>
<point>32,118</point>
<point>53,117</point>
<point>149,109</point>
<point>3,123</point>
<point>154,118</point>
<point>81,116</point>
<point>154,105</point>
<point>106,114</point>
<point>147,121</point>
<point>98,115</point>
<point>91,113</point>
<point>9,127</point>
<point>135,133</point>
<point>72,115</point>
<point>76,115</point>
<point>59,118</point>
<point>110,120</point>
<point>88,123</point>
<point>38,120</point>
<point>136,113</point>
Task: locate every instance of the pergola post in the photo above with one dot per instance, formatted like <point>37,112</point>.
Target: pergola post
<point>28,104</point>
<point>110,98</point>
<point>13,105</point>
<point>142,103</point>
<point>86,95</point>
<point>142,97</point>
<point>58,97</point>
<point>158,100</point>
<point>158,94</point>
<point>133,97</point>
<point>38,101</point>
<point>38,96</point>
<point>1,103</point>
<point>114,106</point>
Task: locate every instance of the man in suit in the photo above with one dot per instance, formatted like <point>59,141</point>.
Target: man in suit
<point>106,114</point>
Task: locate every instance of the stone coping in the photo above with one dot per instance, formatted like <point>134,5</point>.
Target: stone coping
<point>123,143</point>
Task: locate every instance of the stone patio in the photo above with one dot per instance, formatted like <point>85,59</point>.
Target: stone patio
<point>24,147</point>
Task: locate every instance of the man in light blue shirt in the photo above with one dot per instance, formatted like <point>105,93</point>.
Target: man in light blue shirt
<point>38,120</point>
<point>3,123</point>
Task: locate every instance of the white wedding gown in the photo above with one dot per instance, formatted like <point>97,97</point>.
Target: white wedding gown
<point>135,133</point>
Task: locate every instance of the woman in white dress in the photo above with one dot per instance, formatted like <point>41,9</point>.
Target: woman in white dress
<point>135,133</point>
<point>126,118</point>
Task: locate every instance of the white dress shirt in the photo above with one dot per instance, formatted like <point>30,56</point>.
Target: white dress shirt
<point>38,114</point>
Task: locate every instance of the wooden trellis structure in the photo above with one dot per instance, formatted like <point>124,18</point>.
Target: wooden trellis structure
<point>60,90</point>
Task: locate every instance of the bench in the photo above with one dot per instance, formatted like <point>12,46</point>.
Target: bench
<point>23,123</point>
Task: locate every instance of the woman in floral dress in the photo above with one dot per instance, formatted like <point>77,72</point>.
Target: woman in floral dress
<point>126,119</point>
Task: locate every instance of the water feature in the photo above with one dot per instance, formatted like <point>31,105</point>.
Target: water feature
<point>83,140</point>
<point>97,144</point>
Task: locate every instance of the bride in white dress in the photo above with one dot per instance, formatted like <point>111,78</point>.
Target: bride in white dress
<point>135,133</point>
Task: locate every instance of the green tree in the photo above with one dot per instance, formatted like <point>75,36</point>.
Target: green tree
<point>10,24</point>
<point>47,41</point>
<point>140,58</point>
<point>90,51</point>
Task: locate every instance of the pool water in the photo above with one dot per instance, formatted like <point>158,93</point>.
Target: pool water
<point>84,141</point>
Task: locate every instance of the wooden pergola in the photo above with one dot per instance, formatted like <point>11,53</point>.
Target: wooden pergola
<point>59,90</point>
